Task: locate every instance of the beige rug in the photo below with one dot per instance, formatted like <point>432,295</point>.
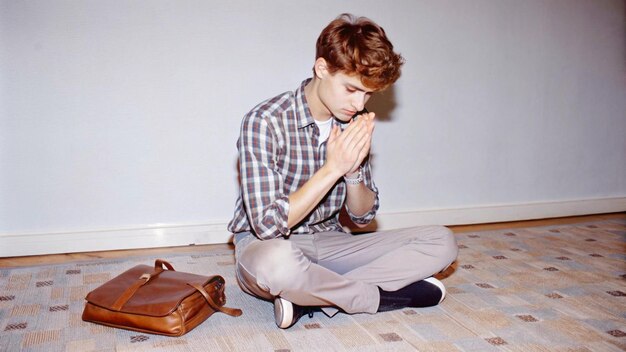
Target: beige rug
<point>559,288</point>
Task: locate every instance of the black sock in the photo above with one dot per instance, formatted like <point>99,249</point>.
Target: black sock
<point>418,294</point>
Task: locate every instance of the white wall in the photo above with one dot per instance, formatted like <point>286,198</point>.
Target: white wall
<point>122,115</point>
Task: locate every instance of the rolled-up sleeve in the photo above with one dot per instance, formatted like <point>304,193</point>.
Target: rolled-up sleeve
<point>262,189</point>
<point>366,218</point>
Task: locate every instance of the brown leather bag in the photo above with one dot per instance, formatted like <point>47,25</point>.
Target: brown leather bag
<point>157,301</point>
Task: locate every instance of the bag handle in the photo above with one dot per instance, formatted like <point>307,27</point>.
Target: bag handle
<point>159,263</point>
<point>230,311</point>
<point>143,279</point>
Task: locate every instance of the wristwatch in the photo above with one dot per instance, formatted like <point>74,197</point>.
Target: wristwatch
<point>354,181</point>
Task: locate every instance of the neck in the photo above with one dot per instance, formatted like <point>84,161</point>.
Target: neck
<point>317,108</point>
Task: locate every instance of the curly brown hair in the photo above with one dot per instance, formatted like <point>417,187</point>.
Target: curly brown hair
<point>358,46</point>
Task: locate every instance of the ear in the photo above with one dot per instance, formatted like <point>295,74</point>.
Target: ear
<point>320,68</point>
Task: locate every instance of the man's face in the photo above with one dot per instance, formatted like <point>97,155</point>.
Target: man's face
<point>343,95</point>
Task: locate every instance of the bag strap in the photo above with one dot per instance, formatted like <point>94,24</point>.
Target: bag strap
<point>230,311</point>
<point>143,279</point>
<point>130,291</point>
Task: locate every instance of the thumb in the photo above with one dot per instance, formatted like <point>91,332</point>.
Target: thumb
<point>333,134</point>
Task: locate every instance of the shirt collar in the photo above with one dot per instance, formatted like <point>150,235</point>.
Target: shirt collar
<point>303,113</point>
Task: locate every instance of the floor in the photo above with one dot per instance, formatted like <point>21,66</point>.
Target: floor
<point>63,258</point>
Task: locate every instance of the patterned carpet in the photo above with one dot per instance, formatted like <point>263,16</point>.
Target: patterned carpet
<point>558,288</point>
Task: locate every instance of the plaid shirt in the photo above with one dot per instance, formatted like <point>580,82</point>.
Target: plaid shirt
<point>278,153</point>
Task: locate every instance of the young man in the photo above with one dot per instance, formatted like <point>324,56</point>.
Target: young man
<point>303,156</point>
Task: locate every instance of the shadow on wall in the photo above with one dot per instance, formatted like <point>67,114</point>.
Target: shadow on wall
<point>383,103</point>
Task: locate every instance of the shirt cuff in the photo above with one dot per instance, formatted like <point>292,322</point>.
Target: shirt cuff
<point>274,221</point>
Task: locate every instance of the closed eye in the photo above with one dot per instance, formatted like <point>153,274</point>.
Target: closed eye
<point>353,89</point>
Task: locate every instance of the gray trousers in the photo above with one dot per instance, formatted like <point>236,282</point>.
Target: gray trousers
<point>336,269</point>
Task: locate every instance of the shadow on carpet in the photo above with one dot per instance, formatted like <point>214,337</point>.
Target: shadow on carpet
<point>557,288</point>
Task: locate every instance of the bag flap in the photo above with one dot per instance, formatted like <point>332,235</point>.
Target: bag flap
<point>158,297</point>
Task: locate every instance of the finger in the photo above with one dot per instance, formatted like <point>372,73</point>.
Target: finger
<point>356,142</point>
<point>353,131</point>
<point>359,148</point>
<point>369,129</point>
<point>368,121</point>
<point>353,124</point>
<point>334,133</point>
<point>370,118</point>
<point>365,144</point>
<point>363,152</point>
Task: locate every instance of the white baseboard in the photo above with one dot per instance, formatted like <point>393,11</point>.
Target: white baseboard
<point>497,213</point>
<point>113,239</point>
<point>184,235</point>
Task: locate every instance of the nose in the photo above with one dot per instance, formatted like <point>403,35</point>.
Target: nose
<point>358,101</point>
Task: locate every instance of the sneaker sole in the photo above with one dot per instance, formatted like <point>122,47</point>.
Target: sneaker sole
<point>283,313</point>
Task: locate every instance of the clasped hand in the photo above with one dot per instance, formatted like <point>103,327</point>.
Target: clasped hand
<point>347,149</point>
